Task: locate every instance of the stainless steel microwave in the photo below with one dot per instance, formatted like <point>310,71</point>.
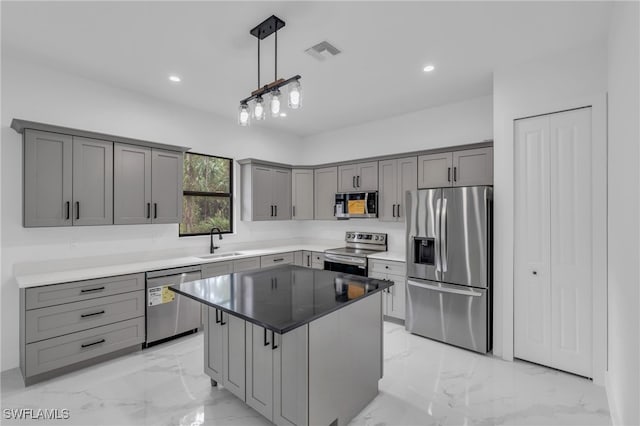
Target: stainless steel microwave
<point>356,204</point>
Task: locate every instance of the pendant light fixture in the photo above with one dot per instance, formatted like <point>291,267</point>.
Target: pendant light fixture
<point>255,106</point>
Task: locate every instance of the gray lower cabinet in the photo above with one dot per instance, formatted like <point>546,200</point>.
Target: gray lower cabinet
<point>394,298</point>
<point>71,325</point>
<point>317,260</point>
<point>213,344</point>
<point>68,180</point>
<point>302,194</point>
<point>277,259</point>
<point>233,355</point>
<point>259,369</point>
<point>325,186</point>
<point>303,258</point>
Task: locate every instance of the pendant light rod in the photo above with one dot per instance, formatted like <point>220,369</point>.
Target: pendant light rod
<point>275,74</point>
<point>258,62</point>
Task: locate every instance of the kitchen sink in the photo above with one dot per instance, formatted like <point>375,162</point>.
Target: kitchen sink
<point>221,255</point>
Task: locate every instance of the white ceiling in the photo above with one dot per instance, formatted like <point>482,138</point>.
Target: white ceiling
<point>385,45</point>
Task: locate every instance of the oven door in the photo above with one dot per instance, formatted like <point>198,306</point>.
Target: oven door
<point>346,264</point>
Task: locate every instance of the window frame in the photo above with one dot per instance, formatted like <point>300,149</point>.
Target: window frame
<point>213,194</point>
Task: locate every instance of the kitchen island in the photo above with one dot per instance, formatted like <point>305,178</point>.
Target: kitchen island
<point>300,346</point>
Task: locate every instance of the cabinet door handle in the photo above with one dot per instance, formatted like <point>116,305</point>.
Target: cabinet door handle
<point>68,207</point>
<point>273,341</point>
<point>354,182</point>
<point>155,210</point>
<point>266,342</point>
<point>92,314</point>
<point>77,210</point>
<point>358,181</point>
<point>455,174</point>
<point>148,210</point>
<point>276,210</point>
<point>86,345</point>
<point>88,290</point>
<point>222,318</point>
<point>448,174</point>
<point>394,210</point>
<point>217,320</point>
<point>293,211</point>
<point>398,210</point>
<point>308,261</point>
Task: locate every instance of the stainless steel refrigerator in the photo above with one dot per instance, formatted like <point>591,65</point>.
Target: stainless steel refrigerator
<point>449,247</point>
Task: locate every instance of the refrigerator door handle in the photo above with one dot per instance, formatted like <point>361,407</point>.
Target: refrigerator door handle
<point>443,234</point>
<point>437,238</point>
<point>445,289</point>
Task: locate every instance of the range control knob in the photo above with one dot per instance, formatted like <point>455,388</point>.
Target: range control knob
<point>359,236</point>
<point>376,238</point>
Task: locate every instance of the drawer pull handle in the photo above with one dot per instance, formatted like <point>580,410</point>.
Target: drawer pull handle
<point>273,341</point>
<point>92,314</point>
<point>86,345</point>
<point>88,290</point>
<point>280,259</point>
<point>386,267</point>
<point>266,342</point>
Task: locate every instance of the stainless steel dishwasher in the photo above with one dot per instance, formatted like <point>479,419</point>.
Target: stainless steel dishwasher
<point>168,313</point>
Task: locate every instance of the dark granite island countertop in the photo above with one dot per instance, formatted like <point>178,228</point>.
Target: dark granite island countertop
<point>281,298</point>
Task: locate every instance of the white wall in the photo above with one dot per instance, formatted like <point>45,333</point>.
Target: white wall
<point>624,210</point>
<point>459,123</point>
<point>453,124</point>
<point>33,92</point>
<point>561,81</point>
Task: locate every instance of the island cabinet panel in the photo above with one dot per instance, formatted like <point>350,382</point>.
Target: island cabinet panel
<point>213,345</point>
<point>233,329</point>
<point>291,381</point>
<point>345,352</point>
<point>260,349</point>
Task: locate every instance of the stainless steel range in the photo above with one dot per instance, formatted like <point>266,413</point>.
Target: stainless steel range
<point>352,259</point>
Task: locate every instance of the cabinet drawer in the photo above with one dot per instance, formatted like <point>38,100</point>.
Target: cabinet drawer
<point>246,264</point>
<point>276,259</point>
<point>55,321</point>
<point>386,267</point>
<point>317,260</point>
<point>217,269</point>
<point>56,294</point>
<point>61,351</point>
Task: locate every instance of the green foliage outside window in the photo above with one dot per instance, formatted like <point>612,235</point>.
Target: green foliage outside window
<point>207,199</point>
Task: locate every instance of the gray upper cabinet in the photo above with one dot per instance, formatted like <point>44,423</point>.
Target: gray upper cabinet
<point>166,186</point>
<point>266,193</point>
<point>459,168</point>
<point>68,180</point>
<point>434,170</point>
<point>47,179</point>
<point>358,177</point>
<point>131,184</point>
<point>396,177</point>
<point>92,182</point>
<point>325,187</point>
<point>302,194</point>
<point>281,194</point>
<point>473,167</point>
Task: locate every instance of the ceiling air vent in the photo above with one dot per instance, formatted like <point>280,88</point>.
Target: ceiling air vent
<point>322,50</point>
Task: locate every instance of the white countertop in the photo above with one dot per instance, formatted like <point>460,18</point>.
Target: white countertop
<point>394,256</point>
<point>80,273</point>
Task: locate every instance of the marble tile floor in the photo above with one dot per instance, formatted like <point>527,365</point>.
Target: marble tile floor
<point>425,383</point>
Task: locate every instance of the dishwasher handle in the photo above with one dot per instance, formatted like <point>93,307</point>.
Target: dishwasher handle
<point>173,271</point>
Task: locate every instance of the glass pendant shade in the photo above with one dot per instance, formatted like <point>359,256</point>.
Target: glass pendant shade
<point>244,115</point>
<point>258,109</point>
<point>274,104</point>
<point>295,95</point>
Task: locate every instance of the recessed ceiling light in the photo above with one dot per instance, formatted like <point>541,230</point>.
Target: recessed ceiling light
<point>428,68</point>
<point>175,78</point>
<point>283,114</point>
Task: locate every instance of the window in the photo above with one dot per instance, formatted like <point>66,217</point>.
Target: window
<point>208,199</point>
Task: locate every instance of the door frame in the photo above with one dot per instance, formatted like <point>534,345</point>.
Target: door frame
<point>504,291</point>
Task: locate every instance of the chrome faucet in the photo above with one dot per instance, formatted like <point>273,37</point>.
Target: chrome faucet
<point>212,248</point>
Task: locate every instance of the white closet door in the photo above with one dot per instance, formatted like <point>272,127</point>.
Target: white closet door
<point>571,286</point>
<point>532,275</point>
